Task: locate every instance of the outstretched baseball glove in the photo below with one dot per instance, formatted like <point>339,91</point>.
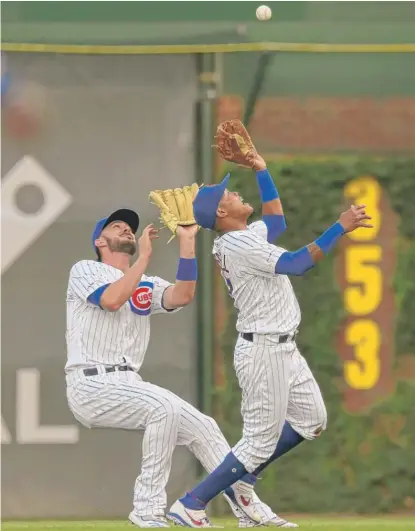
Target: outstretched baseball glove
<point>176,206</point>
<point>234,144</point>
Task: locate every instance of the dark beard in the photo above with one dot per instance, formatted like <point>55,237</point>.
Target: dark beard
<point>117,246</point>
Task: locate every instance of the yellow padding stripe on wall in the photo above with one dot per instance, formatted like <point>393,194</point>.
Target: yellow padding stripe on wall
<point>206,48</point>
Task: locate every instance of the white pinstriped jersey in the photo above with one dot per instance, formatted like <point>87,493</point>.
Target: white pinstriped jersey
<point>95,336</point>
<point>265,301</point>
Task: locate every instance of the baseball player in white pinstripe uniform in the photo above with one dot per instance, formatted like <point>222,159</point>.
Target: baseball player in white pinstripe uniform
<point>281,401</point>
<point>109,304</point>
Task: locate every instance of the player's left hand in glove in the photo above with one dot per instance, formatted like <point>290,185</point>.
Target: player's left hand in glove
<point>176,206</point>
<point>234,144</point>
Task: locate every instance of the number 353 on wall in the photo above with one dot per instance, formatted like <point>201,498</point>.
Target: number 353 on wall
<point>365,269</point>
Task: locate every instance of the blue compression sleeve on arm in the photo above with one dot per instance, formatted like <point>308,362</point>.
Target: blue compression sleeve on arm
<point>295,264</point>
<point>327,240</point>
<point>267,189</point>
<point>300,261</point>
<point>276,225</point>
<point>187,269</point>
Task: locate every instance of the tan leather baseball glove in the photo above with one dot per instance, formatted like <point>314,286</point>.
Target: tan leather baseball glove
<point>176,206</point>
<point>234,144</point>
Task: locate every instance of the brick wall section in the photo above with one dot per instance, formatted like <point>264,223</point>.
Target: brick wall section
<point>328,124</point>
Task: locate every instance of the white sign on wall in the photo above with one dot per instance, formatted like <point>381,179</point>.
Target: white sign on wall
<point>20,230</point>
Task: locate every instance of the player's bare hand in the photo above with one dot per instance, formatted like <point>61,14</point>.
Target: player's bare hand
<point>259,163</point>
<point>145,242</point>
<point>187,231</point>
<point>355,218</point>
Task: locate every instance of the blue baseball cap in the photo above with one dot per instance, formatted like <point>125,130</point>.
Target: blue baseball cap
<point>206,203</point>
<point>123,214</point>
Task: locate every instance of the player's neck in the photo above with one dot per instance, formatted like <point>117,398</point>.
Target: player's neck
<point>120,261</point>
<point>242,225</point>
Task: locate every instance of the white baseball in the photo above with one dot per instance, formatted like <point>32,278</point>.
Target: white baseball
<point>263,13</point>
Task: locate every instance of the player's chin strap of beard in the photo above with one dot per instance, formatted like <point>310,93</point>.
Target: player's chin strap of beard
<point>117,246</point>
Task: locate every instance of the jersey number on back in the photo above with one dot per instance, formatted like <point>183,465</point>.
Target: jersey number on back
<point>224,273</point>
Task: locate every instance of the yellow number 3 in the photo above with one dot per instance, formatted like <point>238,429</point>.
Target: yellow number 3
<point>365,191</point>
<point>364,371</point>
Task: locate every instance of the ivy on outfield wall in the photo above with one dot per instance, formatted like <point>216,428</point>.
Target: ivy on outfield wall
<point>363,462</point>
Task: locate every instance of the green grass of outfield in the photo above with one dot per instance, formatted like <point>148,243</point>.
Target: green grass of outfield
<point>387,523</point>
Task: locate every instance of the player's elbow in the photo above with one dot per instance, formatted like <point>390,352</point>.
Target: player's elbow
<point>288,265</point>
<point>179,295</point>
<point>109,303</point>
<point>186,294</point>
<point>184,297</point>
<point>294,264</point>
<point>299,271</point>
<point>111,307</point>
<point>190,298</point>
<point>296,270</point>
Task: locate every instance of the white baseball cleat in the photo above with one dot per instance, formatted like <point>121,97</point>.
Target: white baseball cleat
<point>148,521</point>
<point>276,521</point>
<point>235,509</point>
<point>181,515</point>
<point>243,501</point>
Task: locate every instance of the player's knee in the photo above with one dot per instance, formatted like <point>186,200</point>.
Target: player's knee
<point>211,425</point>
<point>205,426</point>
<point>260,450</point>
<point>266,452</point>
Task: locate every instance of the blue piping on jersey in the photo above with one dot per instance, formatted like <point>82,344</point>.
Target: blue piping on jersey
<point>95,297</point>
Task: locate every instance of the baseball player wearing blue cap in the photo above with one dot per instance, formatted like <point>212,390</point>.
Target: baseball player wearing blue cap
<point>281,401</point>
<point>109,305</point>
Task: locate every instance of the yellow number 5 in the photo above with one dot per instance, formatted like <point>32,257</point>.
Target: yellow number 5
<point>365,298</point>
<point>364,371</point>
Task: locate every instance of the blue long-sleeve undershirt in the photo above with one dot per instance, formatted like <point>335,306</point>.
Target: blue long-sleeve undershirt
<point>298,262</point>
<point>275,223</point>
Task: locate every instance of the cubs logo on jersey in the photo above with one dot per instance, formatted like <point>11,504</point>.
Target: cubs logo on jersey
<point>141,299</point>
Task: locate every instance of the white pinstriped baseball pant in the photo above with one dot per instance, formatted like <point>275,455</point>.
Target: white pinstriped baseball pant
<point>277,385</point>
<point>124,400</point>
